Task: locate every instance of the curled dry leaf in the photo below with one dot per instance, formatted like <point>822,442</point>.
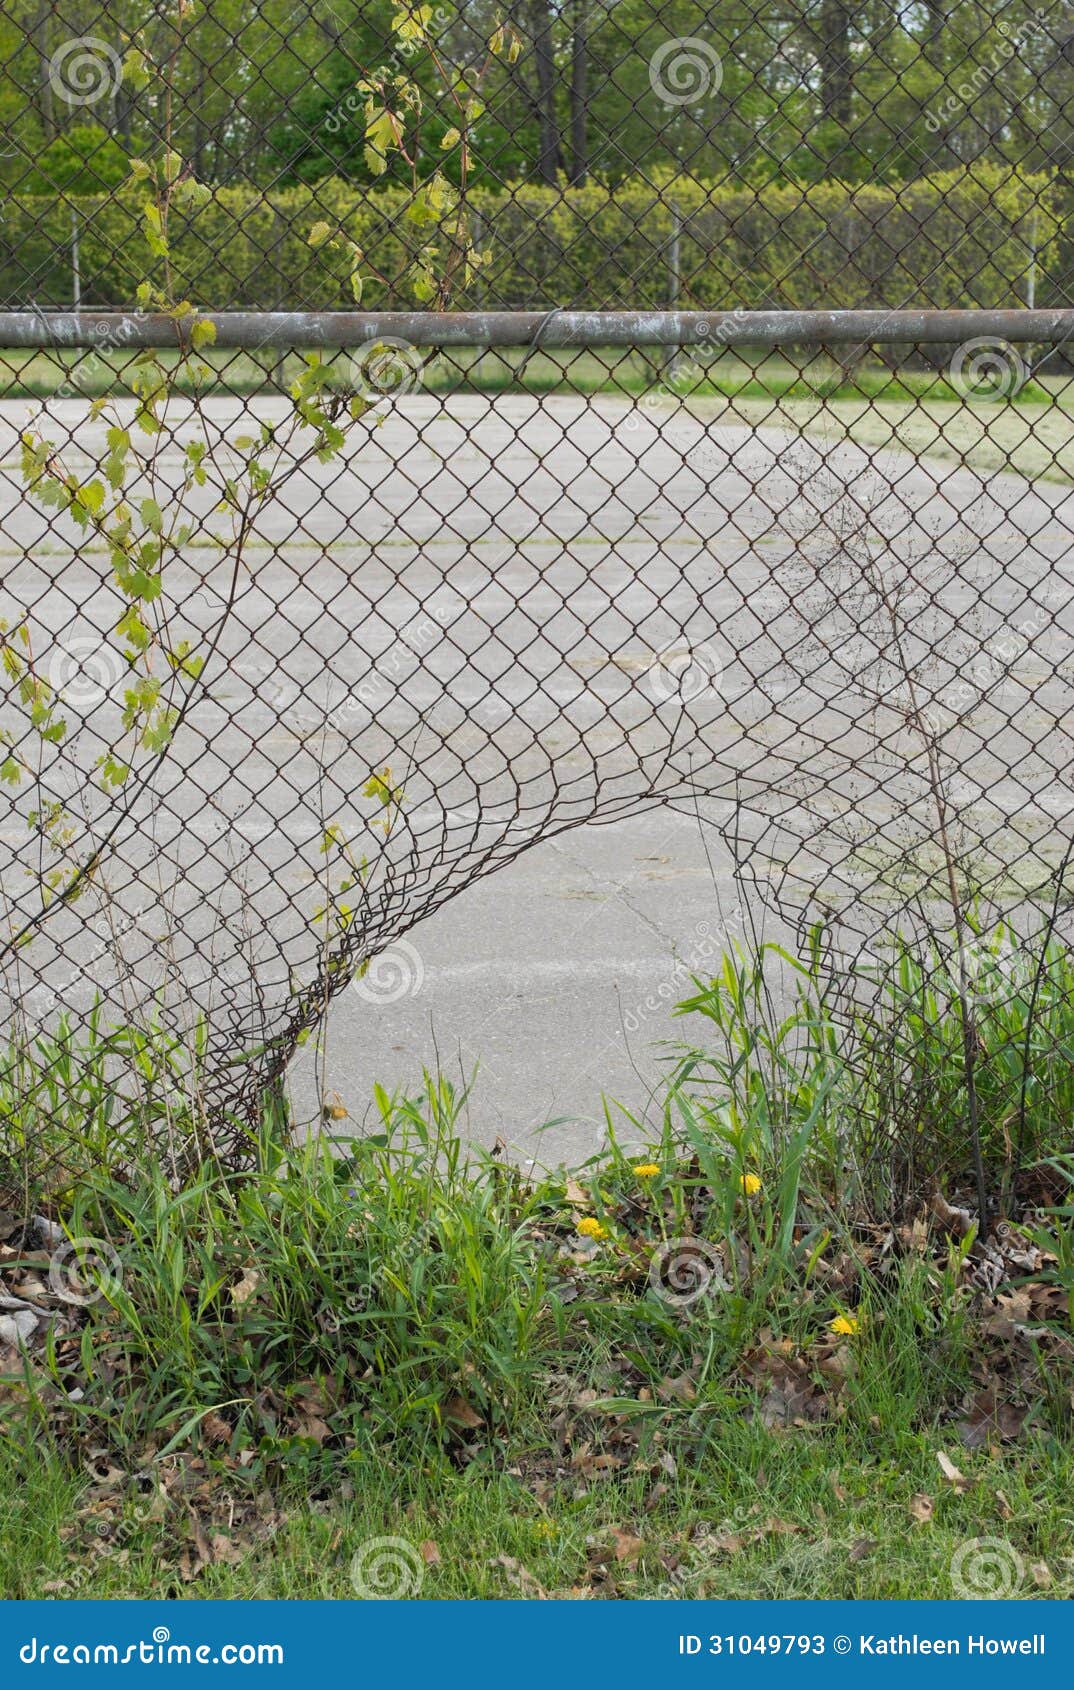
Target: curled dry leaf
<point>951,1472</point>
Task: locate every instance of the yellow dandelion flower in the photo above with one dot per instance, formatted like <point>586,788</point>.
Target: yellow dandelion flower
<point>647,1170</point>
<point>751,1184</point>
<point>845,1325</point>
<point>590,1227</point>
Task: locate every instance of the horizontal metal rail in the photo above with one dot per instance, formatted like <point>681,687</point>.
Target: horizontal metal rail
<point>545,329</point>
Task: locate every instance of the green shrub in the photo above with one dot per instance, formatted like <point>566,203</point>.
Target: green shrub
<point>955,239</point>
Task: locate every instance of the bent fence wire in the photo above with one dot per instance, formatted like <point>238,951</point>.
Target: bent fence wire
<point>731,470</point>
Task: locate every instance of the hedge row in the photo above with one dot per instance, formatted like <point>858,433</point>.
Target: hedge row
<point>961,238</point>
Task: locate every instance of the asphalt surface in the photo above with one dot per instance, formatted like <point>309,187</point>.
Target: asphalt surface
<point>549,987</point>
<point>535,612</point>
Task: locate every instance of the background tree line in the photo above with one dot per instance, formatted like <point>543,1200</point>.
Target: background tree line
<point>810,89</point>
<point>788,93</point>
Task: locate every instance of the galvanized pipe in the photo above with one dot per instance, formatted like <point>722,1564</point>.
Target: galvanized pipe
<point>547,329</point>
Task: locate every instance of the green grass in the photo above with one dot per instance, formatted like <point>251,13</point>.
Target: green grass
<point>810,375</point>
<point>532,1376</point>
<point>829,1513</point>
<point>917,412</point>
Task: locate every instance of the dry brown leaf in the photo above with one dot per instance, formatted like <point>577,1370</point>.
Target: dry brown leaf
<point>840,1364</point>
<point>225,1551</point>
<point>917,1236</point>
<point>461,1413</point>
<point>1011,1310</point>
<point>215,1429</point>
<point>957,1221</point>
<point>310,1410</point>
<point>989,1418</point>
<point>922,1508</point>
<point>681,1389</point>
<point>720,1543</point>
<point>203,1552</point>
<point>246,1288</point>
<point>625,1547</point>
<point>951,1472</point>
<point>520,1577</point>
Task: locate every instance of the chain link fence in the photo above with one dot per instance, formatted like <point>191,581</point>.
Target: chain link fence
<point>426,430</point>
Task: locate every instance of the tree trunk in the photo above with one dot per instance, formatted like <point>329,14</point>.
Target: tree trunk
<point>550,156</point>
<point>43,99</point>
<point>579,95</point>
<point>835,63</point>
